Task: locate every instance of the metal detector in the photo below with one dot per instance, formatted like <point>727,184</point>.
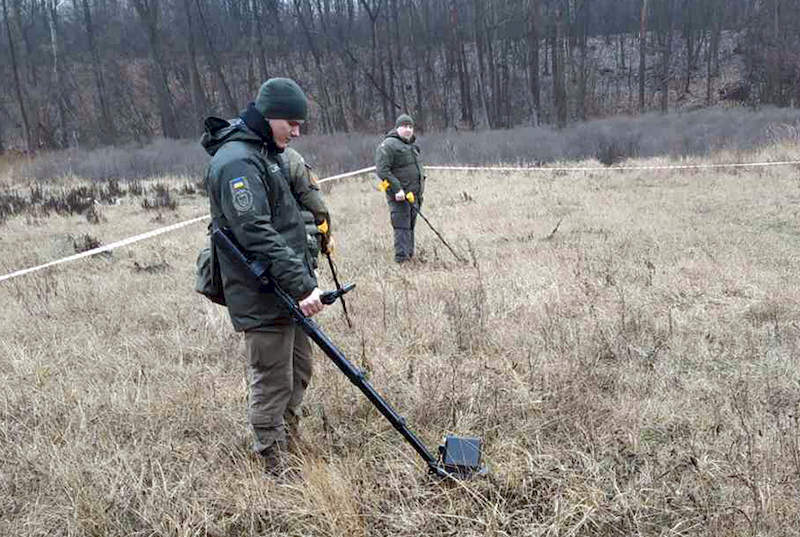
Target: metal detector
<point>412,201</point>
<point>459,457</point>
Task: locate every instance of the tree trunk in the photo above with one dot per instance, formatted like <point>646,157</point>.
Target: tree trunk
<point>26,59</point>
<point>372,12</point>
<point>305,23</point>
<point>642,53</point>
<point>667,55</point>
<point>479,45</point>
<point>216,67</point>
<point>557,54</point>
<point>533,58</point>
<point>17,83</point>
<point>199,103</point>
<point>149,13</point>
<point>712,54</point>
<point>107,129</point>
<point>583,31</point>
<point>262,58</point>
<point>61,90</point>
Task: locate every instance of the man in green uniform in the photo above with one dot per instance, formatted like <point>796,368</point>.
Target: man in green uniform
<point>400,171</point>
<point>315,213</point>
<point>249,192</point>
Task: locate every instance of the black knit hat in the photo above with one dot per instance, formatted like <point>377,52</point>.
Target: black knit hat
<point>281,98</point>
<point>403,119</point>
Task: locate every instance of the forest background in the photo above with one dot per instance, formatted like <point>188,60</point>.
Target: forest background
<point>89,73</point>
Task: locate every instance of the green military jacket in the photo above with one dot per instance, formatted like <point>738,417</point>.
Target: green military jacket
<point>249,192</point>
<point>397,161</point>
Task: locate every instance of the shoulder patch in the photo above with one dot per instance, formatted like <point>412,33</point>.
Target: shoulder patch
<point>241,195</point>
<point>274,168</point>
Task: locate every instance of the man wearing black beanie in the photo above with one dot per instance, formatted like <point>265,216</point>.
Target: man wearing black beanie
<point>249,193</point>
<point>399,169</point>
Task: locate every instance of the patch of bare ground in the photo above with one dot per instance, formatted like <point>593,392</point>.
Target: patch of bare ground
<point>632,369</point>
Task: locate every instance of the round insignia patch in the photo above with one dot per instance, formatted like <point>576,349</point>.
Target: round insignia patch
<point>243,200</point>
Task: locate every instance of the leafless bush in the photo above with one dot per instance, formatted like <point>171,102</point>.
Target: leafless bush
<point>94,215</point>
<point>11,204</point>
<point>160,199</point>
<point>615,139</point>
<point>85,242</point>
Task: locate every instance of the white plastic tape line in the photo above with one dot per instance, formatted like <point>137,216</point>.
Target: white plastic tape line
<point>346,175</point>
<point>610,168</point>
<point>106,248</point>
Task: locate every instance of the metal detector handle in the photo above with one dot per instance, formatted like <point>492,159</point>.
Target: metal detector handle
<point>225,242</point>
<point>329,297</point>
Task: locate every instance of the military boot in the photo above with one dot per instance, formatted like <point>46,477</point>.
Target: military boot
<point>275,459</point>
<point>294,438</point>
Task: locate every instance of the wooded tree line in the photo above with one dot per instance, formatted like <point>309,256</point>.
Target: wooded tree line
<point>89,72</point>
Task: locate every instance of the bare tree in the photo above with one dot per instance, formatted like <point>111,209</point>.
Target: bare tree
<point>199,103</point>
<point>149,12</point>
<point>216,65</point>
<point>642,52</point>
<point>534,23</point>
<point>58,79</point>
<point>558,56</point>
<point>17,82</point>
<point>106,126</point>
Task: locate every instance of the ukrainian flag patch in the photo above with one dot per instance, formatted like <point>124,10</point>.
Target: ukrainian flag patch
<point>240,195</point>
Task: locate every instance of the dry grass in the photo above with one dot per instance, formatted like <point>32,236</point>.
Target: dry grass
<point>632,373</point>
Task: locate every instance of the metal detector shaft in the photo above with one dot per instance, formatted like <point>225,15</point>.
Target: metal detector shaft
<point>226,243</point>
<point>338,286</point>
<point>419,213</point>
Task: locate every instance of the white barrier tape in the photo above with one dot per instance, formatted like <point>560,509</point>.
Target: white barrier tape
<point>346,175</point>
<point>167,229</point>
<point>610,168</point>
<point>106,248</point>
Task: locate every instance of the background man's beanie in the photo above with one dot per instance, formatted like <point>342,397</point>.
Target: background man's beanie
<point>281,98</point>
<point>403,119</point>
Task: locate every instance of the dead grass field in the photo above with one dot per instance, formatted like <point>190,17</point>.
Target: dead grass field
<point>634,372</point>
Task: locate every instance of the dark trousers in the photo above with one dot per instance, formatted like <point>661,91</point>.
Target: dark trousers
<point>404,219</point>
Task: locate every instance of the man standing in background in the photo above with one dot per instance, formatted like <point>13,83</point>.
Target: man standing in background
<point>316,216</point>
<point>400,171</point>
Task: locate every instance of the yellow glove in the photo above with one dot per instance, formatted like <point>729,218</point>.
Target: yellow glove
<point>384,186</point>
<point>410,197</point>
<point>327,241</point>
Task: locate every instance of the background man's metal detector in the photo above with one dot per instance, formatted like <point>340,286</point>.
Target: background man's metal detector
<point>412,201</point>
<point>338,287</point>
<point>459,456</point>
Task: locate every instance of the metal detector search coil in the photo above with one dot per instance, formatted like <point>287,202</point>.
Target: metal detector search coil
<point>461,456</point>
